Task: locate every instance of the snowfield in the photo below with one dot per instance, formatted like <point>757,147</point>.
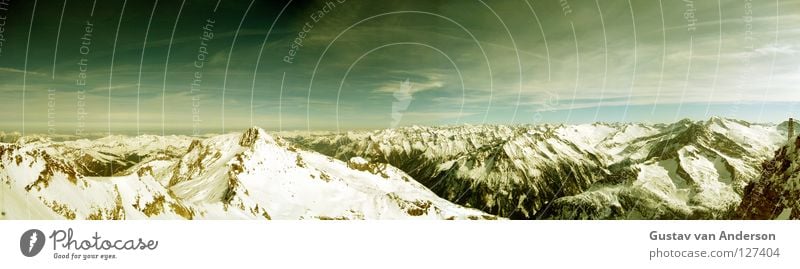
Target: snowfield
<point>684,170</point>
<point>235,176</point>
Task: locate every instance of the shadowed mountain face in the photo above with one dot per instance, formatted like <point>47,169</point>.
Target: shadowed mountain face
<point>685,170</point>
<point>776,194</point>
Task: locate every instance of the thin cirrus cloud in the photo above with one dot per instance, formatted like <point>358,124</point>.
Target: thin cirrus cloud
<point>464,64</point>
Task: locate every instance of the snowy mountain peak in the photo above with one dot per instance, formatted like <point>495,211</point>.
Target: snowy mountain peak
<point>687,169</point>
<point>253,134</point>
<point>248,175</point>
<point>29,139</point>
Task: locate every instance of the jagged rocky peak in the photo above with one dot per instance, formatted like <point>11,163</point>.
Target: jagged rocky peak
<point>249,137</point>
<point>252,135</point>
<point>30,139</point>
<point>686,169</point>
<point>776,194</point>
<point>9,137</point>
<point>685,121</point>
<point>377,168</point>
<point>247,175</point>
<point>195,143</point>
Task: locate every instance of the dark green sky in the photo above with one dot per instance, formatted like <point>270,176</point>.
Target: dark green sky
<point>473,62</point>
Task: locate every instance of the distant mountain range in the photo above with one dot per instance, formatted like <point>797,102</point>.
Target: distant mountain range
<point>684,170</point>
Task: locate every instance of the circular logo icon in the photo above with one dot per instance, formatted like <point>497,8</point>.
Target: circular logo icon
<point>31,242</point>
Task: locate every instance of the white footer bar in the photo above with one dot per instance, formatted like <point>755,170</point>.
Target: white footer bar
<point>399,244</point>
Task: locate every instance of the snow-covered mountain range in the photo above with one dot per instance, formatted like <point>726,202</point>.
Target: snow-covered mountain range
<point>684,170</point>
<point>249,175</point>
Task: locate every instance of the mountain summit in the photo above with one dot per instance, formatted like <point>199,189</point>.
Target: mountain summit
<point>248,175</point>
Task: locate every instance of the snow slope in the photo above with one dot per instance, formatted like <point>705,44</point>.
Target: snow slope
<point>234,176</point>
<point>682,170</point>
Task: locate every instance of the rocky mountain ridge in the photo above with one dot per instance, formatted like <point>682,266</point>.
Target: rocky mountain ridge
<point>688,169</point>
<point>251,175</point>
